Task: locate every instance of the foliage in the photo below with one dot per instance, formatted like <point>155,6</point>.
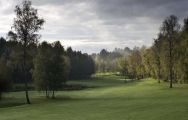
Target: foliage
<point>106,61</point>
<point>82,65</point>
<point>123,66</point>
<point>51,67</point>
<point>4,76</point>
<point>26,25</point>
<point>166,59</point>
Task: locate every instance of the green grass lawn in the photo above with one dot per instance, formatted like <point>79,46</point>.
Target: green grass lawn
<point>110,99</point>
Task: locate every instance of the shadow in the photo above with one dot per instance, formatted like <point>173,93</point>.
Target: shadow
<point>74,99</point>
<point>73,87</point>
<point>11,102</point>
<point>6,105</point>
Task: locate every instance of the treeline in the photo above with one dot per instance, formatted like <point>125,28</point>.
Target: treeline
<point>82,65</point>
<point>106,61</point>
<point>48,65</point>
<point>166,59</point>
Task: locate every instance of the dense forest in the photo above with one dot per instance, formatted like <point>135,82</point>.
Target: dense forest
<point>44,61</point>
<point>23,60</point>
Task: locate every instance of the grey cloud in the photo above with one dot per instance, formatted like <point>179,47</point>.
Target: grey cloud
<point>95,24</point>
<point>56,2</point>
<point>136,8</point>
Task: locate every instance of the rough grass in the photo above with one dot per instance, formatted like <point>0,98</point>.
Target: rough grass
<point>113,99</point>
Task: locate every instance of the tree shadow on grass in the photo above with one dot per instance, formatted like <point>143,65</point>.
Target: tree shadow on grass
<point>74,99</point>
<point>76,87</point>
<point>64,99</point>
<point>11,102</point>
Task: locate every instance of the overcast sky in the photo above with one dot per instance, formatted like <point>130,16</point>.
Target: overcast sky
<point>90,25</point>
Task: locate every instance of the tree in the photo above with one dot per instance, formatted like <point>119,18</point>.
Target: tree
<point>26,25</point>
<point>157,55</point>
<point>81,65</point>
<point>2,46</point>
<point>4,69</point>
<point>41,67</point>
<point>103,59</point>
<point>51,68</point>
<point>67,67</point>
<point>170,28</point>
<point>135,64</point>
<point>147,62</point>
<point>11,36</point>
<point>56,74</point>
<point>123,66</point>
<point>182,53</point>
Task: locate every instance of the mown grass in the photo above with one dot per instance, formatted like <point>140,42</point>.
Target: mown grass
<point>111,99</point>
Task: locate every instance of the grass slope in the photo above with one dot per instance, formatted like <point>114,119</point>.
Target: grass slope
<point>112,100</point>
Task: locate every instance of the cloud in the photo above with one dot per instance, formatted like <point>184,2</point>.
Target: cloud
<point>118,9</point>
<point>90,25</point>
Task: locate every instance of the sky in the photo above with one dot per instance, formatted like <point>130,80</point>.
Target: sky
<point>91,25</point>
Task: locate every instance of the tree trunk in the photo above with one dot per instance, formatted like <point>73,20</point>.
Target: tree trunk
<point>47,95</point>
<point>159,70</point>
<point>159,76</point>
<point>170,78</point>
<point>0,95</point>
<point>53,94</point>
<point>170,61</point>
<point>25,79</point>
